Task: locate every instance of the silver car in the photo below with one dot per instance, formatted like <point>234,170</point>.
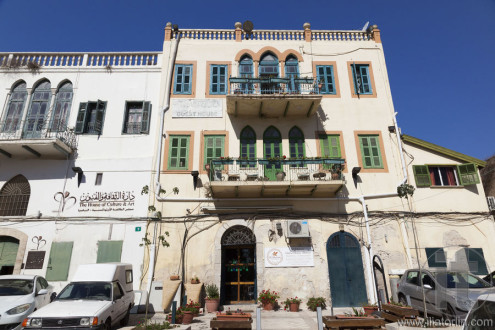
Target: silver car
<point>447,293</point>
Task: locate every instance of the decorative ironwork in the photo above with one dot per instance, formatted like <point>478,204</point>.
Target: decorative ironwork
<point>272,85</point>
<point>238,235</point>
<point>14,197</point>
<point>38,240</point>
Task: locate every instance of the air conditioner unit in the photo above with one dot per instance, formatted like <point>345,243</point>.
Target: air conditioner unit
<point>491,203</point>
<point>297,229</point>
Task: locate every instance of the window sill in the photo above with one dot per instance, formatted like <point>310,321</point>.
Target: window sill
<point>177,171</point>
<point>448,187</point>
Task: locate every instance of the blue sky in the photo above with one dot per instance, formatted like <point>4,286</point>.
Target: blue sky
<point>440,53</point>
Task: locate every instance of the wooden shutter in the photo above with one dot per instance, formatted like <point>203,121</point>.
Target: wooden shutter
<point>468,174</point>
<point>145,123</point>
<point>214,148</point>
<point>81,118</point>
<point>365,79</point>
<point>100,115</point>
<point>109,251</point>
<point>436,257</point>
<point>422,175</point>
<point>59,261</point>
<point>476,261</point>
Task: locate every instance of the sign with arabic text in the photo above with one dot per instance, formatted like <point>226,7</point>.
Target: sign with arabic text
<point>289,257</point>
<point>197,108</point>
<point>107,201</point>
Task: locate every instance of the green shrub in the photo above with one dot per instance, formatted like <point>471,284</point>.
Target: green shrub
<point>314,302</point>
<point>212,291</point>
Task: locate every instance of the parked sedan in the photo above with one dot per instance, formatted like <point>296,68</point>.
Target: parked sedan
<point>20,295</point>
<point>447,293</point>
<point>490,278</point>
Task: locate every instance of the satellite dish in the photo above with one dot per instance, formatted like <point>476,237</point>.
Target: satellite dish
<point>247,26</point>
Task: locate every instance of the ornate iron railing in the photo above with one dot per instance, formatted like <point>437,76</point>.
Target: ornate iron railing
<point>38,129</point>
<point>268,85</point>
<point>301,169</point>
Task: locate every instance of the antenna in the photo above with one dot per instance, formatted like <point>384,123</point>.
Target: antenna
<point>365,26</point>
<point>247,26</point>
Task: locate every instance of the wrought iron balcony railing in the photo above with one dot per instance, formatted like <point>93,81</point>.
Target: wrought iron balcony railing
<point>37,129</point>
<point>270,85</point>
<point>287,170</point>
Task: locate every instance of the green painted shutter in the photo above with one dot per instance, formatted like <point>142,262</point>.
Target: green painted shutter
<point>109,251</point>
<point>178,152</point>
<point>422,175</point>
<point>81,118</point>
<point>370,151</point>
<point>145,122</point>
<point>436,257</point>
<point>214,148</point>
<point>468,174</point>
<point>59,261</point>
<point>476,261</point>
<point>100,116</point>
<point>8,251</point>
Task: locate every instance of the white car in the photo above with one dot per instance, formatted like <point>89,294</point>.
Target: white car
<point>20,295</point>
<point>482,314</point>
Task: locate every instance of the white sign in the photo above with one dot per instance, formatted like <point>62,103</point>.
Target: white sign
<point>194,108</point>
<point>289,257</point>
<point>107,201</point>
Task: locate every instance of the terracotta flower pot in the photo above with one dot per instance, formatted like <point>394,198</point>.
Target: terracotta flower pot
<point>174,277</point>
<point>194,281</point>
<point>294,307</point>
<point>268,306</point>
<point>187,318</point>
<point>368,310</point>
<point>212,305</point>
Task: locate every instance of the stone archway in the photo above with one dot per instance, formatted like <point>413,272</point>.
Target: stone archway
<point>21,250</point>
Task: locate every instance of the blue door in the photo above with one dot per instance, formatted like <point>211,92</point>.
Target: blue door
<point>345,267</point>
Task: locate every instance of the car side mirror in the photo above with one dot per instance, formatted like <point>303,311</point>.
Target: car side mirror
<point>42,292</point>
<point>427,286</point>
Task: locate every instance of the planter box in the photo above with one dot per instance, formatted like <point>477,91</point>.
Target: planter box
<point>400,311</point>
<point>353,322</point>
<point>233,317</point>
<point>368,310</point>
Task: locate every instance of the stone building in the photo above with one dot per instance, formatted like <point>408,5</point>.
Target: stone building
<point>280,159</point>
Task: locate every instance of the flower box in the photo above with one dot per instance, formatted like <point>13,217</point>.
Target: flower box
<point>235,316</point>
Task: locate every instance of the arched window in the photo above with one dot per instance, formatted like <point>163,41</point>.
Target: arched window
<point>61,110</point>
<point>296,143</point>
<point>40,103</point>
<point>248,143</point>
<point>13,115</point>
<point>246,71</point>
<point>14,197</point>
<point>268,68</point>
<point>292,72</point>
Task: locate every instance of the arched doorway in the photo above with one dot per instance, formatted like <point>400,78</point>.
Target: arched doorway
<point>238,283</point>
<point>345,267</point>
<point>8,254</point>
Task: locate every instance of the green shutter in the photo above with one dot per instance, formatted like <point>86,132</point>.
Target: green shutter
<point>178,152</point>
<point>468,174</point>
<point>370,151</point>
<point>100,115</point>
<point>436,257</point>
<point>8,251</point>
<point>109,251</point>
<point>476,261</point>
<point>214,148</point>
<point>145,123</point>
<point>59,261</point>
<point>422,175</point>
<point>81,118</point>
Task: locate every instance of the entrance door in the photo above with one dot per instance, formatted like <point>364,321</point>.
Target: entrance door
<point>35,121</point>
<point>345,267</point>
<point>238,266</point>
<point>59,262</point>
<point>8,254</point>
<point>272,145</point>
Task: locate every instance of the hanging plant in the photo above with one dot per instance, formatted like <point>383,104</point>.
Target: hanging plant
<point>405,190</point>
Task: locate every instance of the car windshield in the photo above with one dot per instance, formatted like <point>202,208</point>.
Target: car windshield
<point>15,287</point>
<point>87,291</point>
<point>452,280</point>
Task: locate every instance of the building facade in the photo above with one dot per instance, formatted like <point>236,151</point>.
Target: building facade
<point>284,149</point>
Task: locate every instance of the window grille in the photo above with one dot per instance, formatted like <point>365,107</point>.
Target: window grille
<point>14,197</point>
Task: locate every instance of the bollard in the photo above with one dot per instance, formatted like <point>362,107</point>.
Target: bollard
<point>174,309</point>
<point>258,318</point>
<point>319,318</point>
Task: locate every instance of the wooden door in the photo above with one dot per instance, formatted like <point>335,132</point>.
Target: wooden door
<point>59,262</point>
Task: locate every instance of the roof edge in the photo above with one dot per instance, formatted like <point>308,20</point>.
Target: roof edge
<point>443,150</point>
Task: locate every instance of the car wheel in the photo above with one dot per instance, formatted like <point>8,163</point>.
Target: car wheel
<point>108,324</point>
<point>125,320</point>
<point>402,299</point>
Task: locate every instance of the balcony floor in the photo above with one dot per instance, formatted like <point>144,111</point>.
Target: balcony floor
<point>48,148</point>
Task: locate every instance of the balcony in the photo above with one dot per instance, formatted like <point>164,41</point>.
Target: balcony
<point>36,138</point>
<point>315,177</point>
<point>273,97</point>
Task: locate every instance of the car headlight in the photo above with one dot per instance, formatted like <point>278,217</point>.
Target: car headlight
<point>34,322</point>
<point>19,309</point>
<point>465,304</point>
<point>88,321</point>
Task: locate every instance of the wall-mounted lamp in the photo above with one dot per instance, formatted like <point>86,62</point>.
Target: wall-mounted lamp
<point>341,227</point>
<point>79,172</point>
<point>355,171</point>
<point>391,129</point>
<point>280,232</point>
<point>195,175</point>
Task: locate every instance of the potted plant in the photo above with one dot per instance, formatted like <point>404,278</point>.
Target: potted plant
<point>357,313</point>
<point>194,280</point>
<point>212,298</point>
<point>370,308</point>
<point>238,315</point>
<point>189,310</point>
<point>174,277</point>
<point>292,304</point>
<point>280,175</point>
<point>315,302</point>
<point>268,299</point>
<point>336,171</point>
